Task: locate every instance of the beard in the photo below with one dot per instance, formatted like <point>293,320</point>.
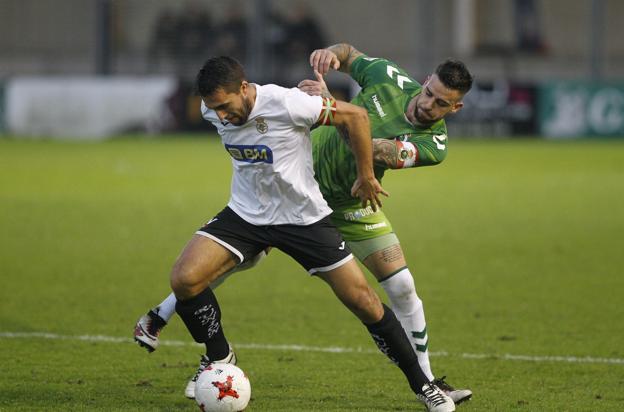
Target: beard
<point>241,118</point>
<point>423,117</point>
<point>238,120</point>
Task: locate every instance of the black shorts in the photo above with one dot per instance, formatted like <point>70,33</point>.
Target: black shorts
<point>318,247</point>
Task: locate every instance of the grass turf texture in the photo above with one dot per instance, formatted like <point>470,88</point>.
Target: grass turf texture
<point>516,248</point>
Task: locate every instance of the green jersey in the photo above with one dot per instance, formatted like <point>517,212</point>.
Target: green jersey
<point>386,93</point>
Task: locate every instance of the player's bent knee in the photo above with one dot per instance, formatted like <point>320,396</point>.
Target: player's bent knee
<point>186,282</point>
<point>181,289</point>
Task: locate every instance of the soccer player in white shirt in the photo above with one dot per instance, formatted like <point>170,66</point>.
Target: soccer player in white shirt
<point>276,202</point>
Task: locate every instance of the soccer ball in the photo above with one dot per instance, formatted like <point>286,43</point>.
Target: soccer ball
<point>222,387</point>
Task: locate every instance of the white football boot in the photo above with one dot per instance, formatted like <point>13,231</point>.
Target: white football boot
<point>435,399</point>
<point>189,392</point>
<point>147,330</point>
<point>457,395</point>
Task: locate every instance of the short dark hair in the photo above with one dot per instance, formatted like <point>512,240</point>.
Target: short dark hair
<point>219,72</point>
<point>455,75</point>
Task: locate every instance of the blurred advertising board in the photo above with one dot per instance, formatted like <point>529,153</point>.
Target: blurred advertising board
<point>85,107</point>
<point>581,108</point>
<point>2,107</point>
<point>497,109</point>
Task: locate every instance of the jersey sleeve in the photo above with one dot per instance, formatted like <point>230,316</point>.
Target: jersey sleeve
<point>369,71</point>
<point>430,148</point>
<point>304,110</point>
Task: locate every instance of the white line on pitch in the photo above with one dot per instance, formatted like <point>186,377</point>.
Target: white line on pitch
<point>304,348</point>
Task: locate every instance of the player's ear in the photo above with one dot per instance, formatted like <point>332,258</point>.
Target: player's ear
<point>244,87</point>
<point>457,106</point>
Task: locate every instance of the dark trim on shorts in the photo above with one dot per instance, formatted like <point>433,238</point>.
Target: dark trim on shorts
<point>223,243</point>
<point>333,266</point>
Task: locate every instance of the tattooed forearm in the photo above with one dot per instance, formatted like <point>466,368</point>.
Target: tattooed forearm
<point>394,153</point>
<point>346,54</point>
<point>385,153</point>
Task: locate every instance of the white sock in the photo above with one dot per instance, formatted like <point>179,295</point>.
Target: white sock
<point>408,308</point>
<point>167,308</point>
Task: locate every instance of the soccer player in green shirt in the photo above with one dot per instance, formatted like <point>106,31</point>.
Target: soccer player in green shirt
<point>408,129</point>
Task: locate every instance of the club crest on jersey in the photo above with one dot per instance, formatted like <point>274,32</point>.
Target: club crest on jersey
<point>250,153</point>
<point>406,154</point>
<point>261,125</point>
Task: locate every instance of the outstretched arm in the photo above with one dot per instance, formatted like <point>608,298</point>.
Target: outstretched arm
<point>425,150</point>
<point>338,57</point>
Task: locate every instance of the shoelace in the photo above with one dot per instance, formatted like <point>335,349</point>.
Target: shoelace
<point>440,383</point>
<point>154,324</point>
<point>433,396</point>
<point>203,364</point>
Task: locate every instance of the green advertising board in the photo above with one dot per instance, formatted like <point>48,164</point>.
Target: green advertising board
<point>577,109</point>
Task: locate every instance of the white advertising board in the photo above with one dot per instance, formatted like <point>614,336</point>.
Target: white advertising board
<point>84,107</point>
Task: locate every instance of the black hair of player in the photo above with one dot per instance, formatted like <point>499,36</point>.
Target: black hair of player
<point>219,72</point>
<point>455,75</point>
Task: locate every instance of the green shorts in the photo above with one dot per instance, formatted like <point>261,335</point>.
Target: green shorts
<point>364,230</point>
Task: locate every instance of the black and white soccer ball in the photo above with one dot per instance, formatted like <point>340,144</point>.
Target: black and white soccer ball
<point>222,387</point>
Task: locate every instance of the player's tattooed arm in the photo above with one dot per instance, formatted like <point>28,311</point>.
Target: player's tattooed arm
<point>394,153</point>
<point>338,57</point>
<point>346,55</point>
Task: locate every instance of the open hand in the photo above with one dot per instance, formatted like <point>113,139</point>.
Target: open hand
<point>368,190</point>
<point>322,60</point>
<point>314,87</point>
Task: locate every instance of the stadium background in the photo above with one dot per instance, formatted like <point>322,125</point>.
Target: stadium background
<point>552,68</point>
<point>515,241</point>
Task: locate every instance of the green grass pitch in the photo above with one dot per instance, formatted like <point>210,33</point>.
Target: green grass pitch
<point>516,247</point>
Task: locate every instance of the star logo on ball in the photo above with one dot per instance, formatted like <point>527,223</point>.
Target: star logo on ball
<point>225,388</point>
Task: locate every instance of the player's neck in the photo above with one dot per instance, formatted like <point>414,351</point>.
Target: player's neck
<point>252,96</point>
<point>409,113</point>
